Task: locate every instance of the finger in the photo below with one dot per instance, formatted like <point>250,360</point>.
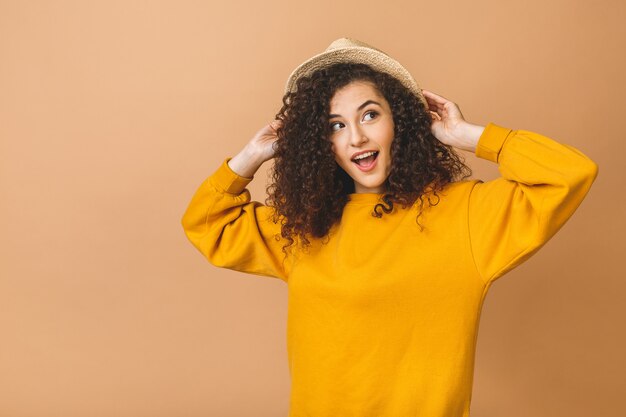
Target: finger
<point>435,105</point>
<point>274,124</point>
<point>432,104</point>
<point>434,100</point>
<point>435,97</point>
<point>431,93</point>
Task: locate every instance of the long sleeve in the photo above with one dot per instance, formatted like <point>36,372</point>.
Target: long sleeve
<point>230,230</point>
<point>543,182</point>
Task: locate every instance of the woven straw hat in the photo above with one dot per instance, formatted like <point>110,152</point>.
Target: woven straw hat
<point>352,50</point>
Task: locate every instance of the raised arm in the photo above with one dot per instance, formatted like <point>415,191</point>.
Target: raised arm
<point>542,184</point>
<point>230,230</point>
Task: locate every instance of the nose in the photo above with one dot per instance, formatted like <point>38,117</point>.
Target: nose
<point>357,136</point>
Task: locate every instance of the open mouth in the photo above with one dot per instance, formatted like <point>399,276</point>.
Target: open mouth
<point>367,161</point>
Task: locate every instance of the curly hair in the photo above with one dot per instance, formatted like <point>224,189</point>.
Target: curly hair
<point>309,189</point>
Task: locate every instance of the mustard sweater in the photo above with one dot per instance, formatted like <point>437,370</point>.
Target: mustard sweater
<point>382,317</point>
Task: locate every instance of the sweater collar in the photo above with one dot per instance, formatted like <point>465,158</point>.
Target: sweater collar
<point>366,198</point>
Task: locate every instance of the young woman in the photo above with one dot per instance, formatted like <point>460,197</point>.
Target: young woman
<point>387,249</point>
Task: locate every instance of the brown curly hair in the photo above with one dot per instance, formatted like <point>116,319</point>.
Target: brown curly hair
<point>309,189</point>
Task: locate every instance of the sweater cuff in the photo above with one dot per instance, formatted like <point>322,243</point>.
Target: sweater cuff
<point>491,141</point>
<point>227,180</point>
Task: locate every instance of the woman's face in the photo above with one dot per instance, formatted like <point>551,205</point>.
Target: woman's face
<point>361,121</point>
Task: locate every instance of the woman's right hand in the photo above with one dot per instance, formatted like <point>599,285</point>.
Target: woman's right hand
<point>262,143</point>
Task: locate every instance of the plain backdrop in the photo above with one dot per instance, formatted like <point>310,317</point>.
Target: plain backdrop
<point>113,112</point>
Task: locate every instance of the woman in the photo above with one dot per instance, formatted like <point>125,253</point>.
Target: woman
<point>388,251</point>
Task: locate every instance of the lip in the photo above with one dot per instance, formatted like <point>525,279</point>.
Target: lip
<point>368,168</point>
<point>354,155</point>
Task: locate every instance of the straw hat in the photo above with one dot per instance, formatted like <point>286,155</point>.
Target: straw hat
<point>352,50</point>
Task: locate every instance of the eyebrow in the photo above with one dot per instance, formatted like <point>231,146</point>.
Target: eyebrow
<point>359,108</point>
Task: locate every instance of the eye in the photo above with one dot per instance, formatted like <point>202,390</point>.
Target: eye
<point>333,124</point>
<point>372,112</point>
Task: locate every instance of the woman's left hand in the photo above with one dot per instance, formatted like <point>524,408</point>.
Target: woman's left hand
<point>448,124</point>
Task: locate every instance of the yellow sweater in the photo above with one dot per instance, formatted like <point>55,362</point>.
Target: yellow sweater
<point>383,318</point>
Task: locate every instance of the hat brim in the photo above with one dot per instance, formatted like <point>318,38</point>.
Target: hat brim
<point>355,54</point>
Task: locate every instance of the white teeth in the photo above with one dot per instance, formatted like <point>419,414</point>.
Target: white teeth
<point>364,155</point>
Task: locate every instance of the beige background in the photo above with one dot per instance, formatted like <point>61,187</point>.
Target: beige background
<point>113,112</point>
